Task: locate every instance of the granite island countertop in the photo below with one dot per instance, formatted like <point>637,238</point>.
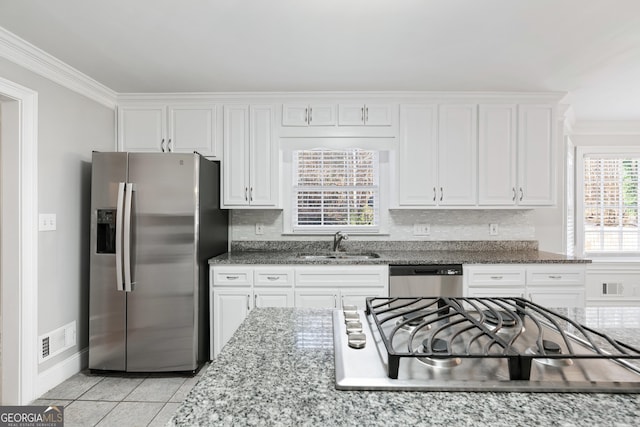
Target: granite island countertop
<point>278,369</point>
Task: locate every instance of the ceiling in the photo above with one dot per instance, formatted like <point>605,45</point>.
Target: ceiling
<point>590,49</point>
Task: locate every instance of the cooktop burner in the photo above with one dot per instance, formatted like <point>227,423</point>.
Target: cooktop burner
<point>508,344</point>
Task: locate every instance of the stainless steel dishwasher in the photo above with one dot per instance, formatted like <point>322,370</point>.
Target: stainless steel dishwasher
<point>433,280</point>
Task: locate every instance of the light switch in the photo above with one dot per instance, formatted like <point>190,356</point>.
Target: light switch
<point>47,222</point>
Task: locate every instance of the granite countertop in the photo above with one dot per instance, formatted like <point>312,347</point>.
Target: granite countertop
<point>394,252</point>
<point>278,369</point>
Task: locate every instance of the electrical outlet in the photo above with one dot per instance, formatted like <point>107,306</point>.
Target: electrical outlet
<point>421,229</point>
<point>493,229</point>
<point>259,228</point>
<point>47,222</point>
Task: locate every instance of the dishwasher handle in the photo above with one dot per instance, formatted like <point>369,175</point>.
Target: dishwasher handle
<point>426,270</point>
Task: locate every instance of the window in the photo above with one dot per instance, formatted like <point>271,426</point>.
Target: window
<point>609,201</point>
<point>335,189</point>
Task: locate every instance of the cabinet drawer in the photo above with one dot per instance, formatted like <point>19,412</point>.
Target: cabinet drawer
<point>342,276</point>
<point>274,277</point>
<point>498,277</point>
<point>551,276</point>
<point>237,276</point>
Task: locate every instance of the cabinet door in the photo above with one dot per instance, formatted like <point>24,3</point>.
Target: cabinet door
<point>230,307</point>
<point>236,153</point>
<point>273,297</point>
<point>193,128</point>
<point>417,155</point>
<point>322,115</point>
<point>316,298</point>
<point>142,128</point>
<point>351,114</point>
<point>557,296</point>
<point>536,156</point>
<point>457,154</point>
<point>378,115</point>
<point>358,297</point>
<point>295,114</point>
<point>263,157</point>
<point>497,155</point>
<point>497,291</point>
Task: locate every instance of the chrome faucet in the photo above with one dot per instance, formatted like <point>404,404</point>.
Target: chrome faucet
<point>337,238</point>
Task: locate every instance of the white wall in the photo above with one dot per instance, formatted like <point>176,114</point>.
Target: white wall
<point>70,126</point>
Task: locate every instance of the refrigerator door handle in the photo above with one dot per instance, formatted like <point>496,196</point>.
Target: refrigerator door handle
<point>119,215</point>
<point>128,196</point>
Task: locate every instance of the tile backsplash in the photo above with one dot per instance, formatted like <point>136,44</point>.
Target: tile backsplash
<point>446,225</point>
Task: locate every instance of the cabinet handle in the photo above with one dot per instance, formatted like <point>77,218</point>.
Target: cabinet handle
<point>248,302</point>
<point>366,114</point>
<point>441,194</point>
<point>310,115</point>
<point>251,194</point>
<point>255,300</point>
<point>169,146</point>
<point>555,277</point>
<point>272,278</point>
<point>496,277</point>
<point>335,301</point>
<point>514,194</point>
<point>521,194</point>
<point>306,115</point>
<point>232,277</point>
<point>362,114</point>
<point>434,194</point>
<point>162,145</point>
<point>246,194</point>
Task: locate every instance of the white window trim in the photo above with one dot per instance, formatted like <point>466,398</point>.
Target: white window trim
<point>384,146</point>
<point>581,152</point>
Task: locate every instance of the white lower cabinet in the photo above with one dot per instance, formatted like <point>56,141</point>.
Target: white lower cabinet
<point>550,285</point>
<point>237,289</point>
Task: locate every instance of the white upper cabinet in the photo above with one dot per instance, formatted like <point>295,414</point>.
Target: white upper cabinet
<point>497,146</point>
<point>250,166</point>
<point>457,154</point>
<point>142,128</point>
<point>365,115</point>
<point>308,115</point>
<point>418,155</point>
<point>437,155</point>
<point>536,156</point>
<point>516,155</point>
<point>169,128</point>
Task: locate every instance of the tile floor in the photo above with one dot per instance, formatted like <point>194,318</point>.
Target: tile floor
<point>115,400</point>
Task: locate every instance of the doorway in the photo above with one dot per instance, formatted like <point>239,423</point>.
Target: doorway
<point>18,243</point>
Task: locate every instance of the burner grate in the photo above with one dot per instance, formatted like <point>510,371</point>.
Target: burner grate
<point>488,328</point>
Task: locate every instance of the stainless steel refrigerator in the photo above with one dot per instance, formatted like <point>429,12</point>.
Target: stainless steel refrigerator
<point>155,221</point>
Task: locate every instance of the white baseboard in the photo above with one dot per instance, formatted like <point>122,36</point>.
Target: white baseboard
<point>62,371</point>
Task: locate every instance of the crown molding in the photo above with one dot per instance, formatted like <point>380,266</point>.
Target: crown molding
<point>399,96</point>
<point>606,127</point>
<point>23,53</point>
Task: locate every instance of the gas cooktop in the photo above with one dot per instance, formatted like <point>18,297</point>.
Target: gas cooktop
<point>476,344</point>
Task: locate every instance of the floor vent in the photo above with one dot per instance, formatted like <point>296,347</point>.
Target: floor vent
<point>57,341</point>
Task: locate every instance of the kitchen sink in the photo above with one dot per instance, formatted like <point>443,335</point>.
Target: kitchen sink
<point>340,256</point>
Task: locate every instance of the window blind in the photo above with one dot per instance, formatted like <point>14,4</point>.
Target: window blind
<point>611,204</point>
<point>336,189</point>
